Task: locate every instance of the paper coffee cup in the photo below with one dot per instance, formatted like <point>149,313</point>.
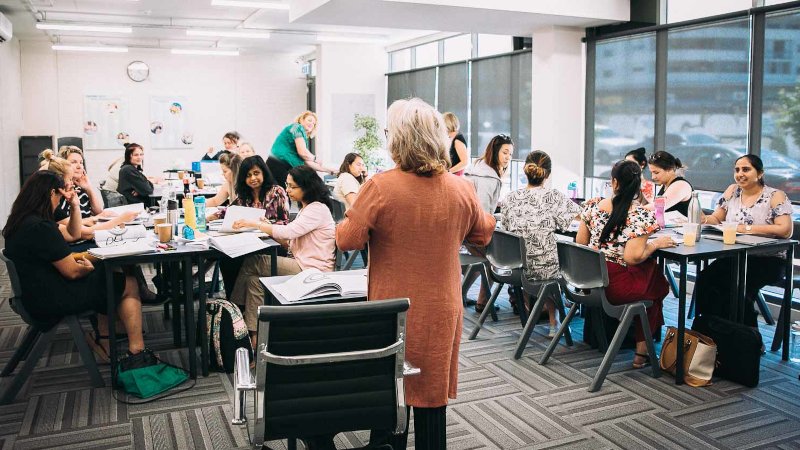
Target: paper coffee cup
<point>164,232</point>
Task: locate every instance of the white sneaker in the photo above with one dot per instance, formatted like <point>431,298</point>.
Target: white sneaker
<point>552,331</point>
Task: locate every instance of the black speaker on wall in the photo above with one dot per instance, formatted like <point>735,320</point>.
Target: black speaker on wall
<point>29,149</point>
<point>70,140</point>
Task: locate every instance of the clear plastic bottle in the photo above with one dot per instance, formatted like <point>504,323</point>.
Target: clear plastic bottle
<point>200,212</point>
<point>794,342</point>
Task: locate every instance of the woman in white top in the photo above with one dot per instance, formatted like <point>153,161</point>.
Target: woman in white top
<point>229,163</point>
<point>352,174</point>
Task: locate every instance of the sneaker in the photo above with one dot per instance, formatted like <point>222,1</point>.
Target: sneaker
<point>552,331</point>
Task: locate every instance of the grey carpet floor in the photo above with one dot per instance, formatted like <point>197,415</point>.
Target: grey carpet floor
<point>502,402</point>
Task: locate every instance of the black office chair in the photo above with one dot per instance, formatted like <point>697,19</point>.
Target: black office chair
<point>585,278</point>
<point>37,340</point>
<point>325,369</point>
<point>506,255</point>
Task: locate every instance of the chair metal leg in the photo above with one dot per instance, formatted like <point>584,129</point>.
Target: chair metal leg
<point>761,302</point>
<point>613,348</point>
<point>22,351</point>
<point>651,348</point>
<point>564,325</point>
<point>533,318</point>
<point>560,305</point>
<point>175,300</point>
<point>671,280</point>
<point>464,288</point>
<point>83,349</point>
<point>22,376</point>
<point>489,307</point>
<point>350,260</point>
<point>777,337</point>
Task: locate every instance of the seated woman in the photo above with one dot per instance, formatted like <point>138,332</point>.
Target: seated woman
<point>255,188</point>
<point>759,209</point>
<point>352,174</point>
<point>619,227</point>
<point>309,238</point>
<point>535,213</point>
<point>90,200</point>
<point>134,185</point>
<point>54,283</point>
<point>230,143</point>
<point>229,163</point>
<point>459,155</point>
<point>677,192</point>
<point>648,187</point>
<point>487,174</point>
<point>246,150</point>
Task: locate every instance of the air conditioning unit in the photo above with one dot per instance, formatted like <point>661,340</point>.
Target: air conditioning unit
<point>5,28</point>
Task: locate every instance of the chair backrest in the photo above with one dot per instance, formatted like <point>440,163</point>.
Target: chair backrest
<point>330,368</point>
<point>112,198</point>
<point>338,210</point>
<point>16,289</point>
<point>584,273</point>
<point>796,237</point>
<point>506,251</point>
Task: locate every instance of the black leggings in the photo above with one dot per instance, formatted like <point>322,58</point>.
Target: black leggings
<point>713,285</point>
<point>280,170</point>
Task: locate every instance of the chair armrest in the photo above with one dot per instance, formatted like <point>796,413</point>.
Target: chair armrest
<point>242,382</point>
<point>359,355</point>
<point>409,370</point>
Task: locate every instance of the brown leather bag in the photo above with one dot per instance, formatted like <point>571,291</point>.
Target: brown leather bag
<point>699,356</point>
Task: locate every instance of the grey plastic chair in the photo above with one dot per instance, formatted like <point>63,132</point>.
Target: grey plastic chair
<point>37,340</point>
<point>542,290</point>
<point>585,278</point>
<point>506,256</point>
<point>472,264</point>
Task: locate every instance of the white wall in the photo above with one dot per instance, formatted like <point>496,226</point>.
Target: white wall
<point>10,124</point>
<point>256,95</point>
<point>347,75</point>
<point>557,119</point>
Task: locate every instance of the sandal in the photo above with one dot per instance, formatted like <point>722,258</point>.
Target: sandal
<point>100,353</point>
<point>644,364</point>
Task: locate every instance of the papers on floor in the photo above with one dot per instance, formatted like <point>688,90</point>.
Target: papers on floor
<point>234,245</point>
<point>124,248</point>
<point>312,283</point>
<point>234,213</point>
<point>116,235</point>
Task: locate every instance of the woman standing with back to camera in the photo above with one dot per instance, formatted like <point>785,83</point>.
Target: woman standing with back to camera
<point>417,208</point>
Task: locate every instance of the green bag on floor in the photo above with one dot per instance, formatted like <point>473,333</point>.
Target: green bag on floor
<point>144,375</point>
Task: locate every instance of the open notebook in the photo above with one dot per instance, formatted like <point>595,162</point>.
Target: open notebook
<point>312,283</point>
<point>124,248</point>
<point>235,245</point>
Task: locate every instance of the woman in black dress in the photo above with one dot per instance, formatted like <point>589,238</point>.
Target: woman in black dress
<point>134,185</point>
<point>54,282</point>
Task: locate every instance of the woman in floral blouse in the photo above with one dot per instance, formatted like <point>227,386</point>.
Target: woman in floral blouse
<point>758,209</point>
<point>534,213</point>
<point>619,228</point>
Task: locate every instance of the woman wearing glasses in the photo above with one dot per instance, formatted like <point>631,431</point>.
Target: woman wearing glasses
<point>290,148</point>
<point>677,192</point>
<point>54,283</point>
<point>413,238</point>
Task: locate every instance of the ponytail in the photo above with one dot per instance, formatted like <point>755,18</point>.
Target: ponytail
<point>629,182</point>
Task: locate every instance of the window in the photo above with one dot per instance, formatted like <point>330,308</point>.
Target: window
<point>458,48</point>
<point>780,122</point>
<point>426,55</point>
<point>624,101</point>
<point>415,83</point>
<point>680,10</point>
<point>453,93</point>
<point>400,60</point>
<point>494,44</point>
<point>707,88</point>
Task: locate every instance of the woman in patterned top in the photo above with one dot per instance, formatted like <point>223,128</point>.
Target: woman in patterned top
<point>534,213</point>
<point>90,200</point>
<point>759,209</point>
<point>619,228</point>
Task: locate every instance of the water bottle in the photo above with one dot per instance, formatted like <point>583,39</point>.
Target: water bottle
<point>172,215</point>
<point>658,206</point>
<point>200,212</point>
<point>189,219</point>
<point>695,212</point>
<point>572,188</point>
<point>794,343</point>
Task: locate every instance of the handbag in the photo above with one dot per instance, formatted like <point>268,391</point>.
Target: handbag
<point>699,356</point>
<point>739,355</point>
<point>144,375</point>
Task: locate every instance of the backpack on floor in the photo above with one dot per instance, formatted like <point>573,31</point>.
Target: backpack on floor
<point>227,332</point>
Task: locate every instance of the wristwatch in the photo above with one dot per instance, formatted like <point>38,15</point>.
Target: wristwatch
<point>748,228</point>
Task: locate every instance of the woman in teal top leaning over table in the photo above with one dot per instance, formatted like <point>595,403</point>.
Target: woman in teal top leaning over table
<point>290,148</point>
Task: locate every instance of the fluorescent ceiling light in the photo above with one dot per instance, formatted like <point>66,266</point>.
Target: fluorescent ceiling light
<point>186,51</point>
<point>246,34</point>
<point>73,27</point>
<point>250,4</point>
<point>81,48</point>
<point>358,39</point>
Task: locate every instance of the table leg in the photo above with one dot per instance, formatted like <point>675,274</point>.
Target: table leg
<point>741,293</point>
<point>174,267</point>
<point>681,322</point>
<point>112,321</point>
<point>786,307</point>
<point>273,255</point>
<point>188,309</point>
<point>201,270</point>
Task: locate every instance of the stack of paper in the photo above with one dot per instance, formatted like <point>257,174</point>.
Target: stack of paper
<point>235,245</point>
<point>234,213</point>
<point>124,248</point>
<point>116,235</point>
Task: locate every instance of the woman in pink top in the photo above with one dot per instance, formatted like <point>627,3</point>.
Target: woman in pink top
<point>309,238</point>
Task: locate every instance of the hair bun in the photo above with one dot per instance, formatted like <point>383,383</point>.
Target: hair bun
<point>48,154</point>
<point>533,170</point>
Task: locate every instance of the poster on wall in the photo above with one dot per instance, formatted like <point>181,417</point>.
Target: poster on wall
<point>106,122</point>
<point>169,123</point>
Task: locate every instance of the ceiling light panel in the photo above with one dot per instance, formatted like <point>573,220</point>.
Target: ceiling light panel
<point>78,27</point>
<point>87,48</point>
<point>244,34</point>
<point>188,51</point>
<point>354,39</point>
<point>250,4</point>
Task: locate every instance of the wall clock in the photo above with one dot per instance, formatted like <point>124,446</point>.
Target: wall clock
<point>138,71</point>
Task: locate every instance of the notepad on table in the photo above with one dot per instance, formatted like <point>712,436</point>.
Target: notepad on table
<point>124,248</point>
<point>234,213</point>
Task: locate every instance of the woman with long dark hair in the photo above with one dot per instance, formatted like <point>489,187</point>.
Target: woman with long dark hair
<point>309,239</point>
<point>352,174</point>
<point>676,190</point>
<point>619,228</point>
<point>54,283</point>
<point>639,156</point>
<point>134,185</point>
